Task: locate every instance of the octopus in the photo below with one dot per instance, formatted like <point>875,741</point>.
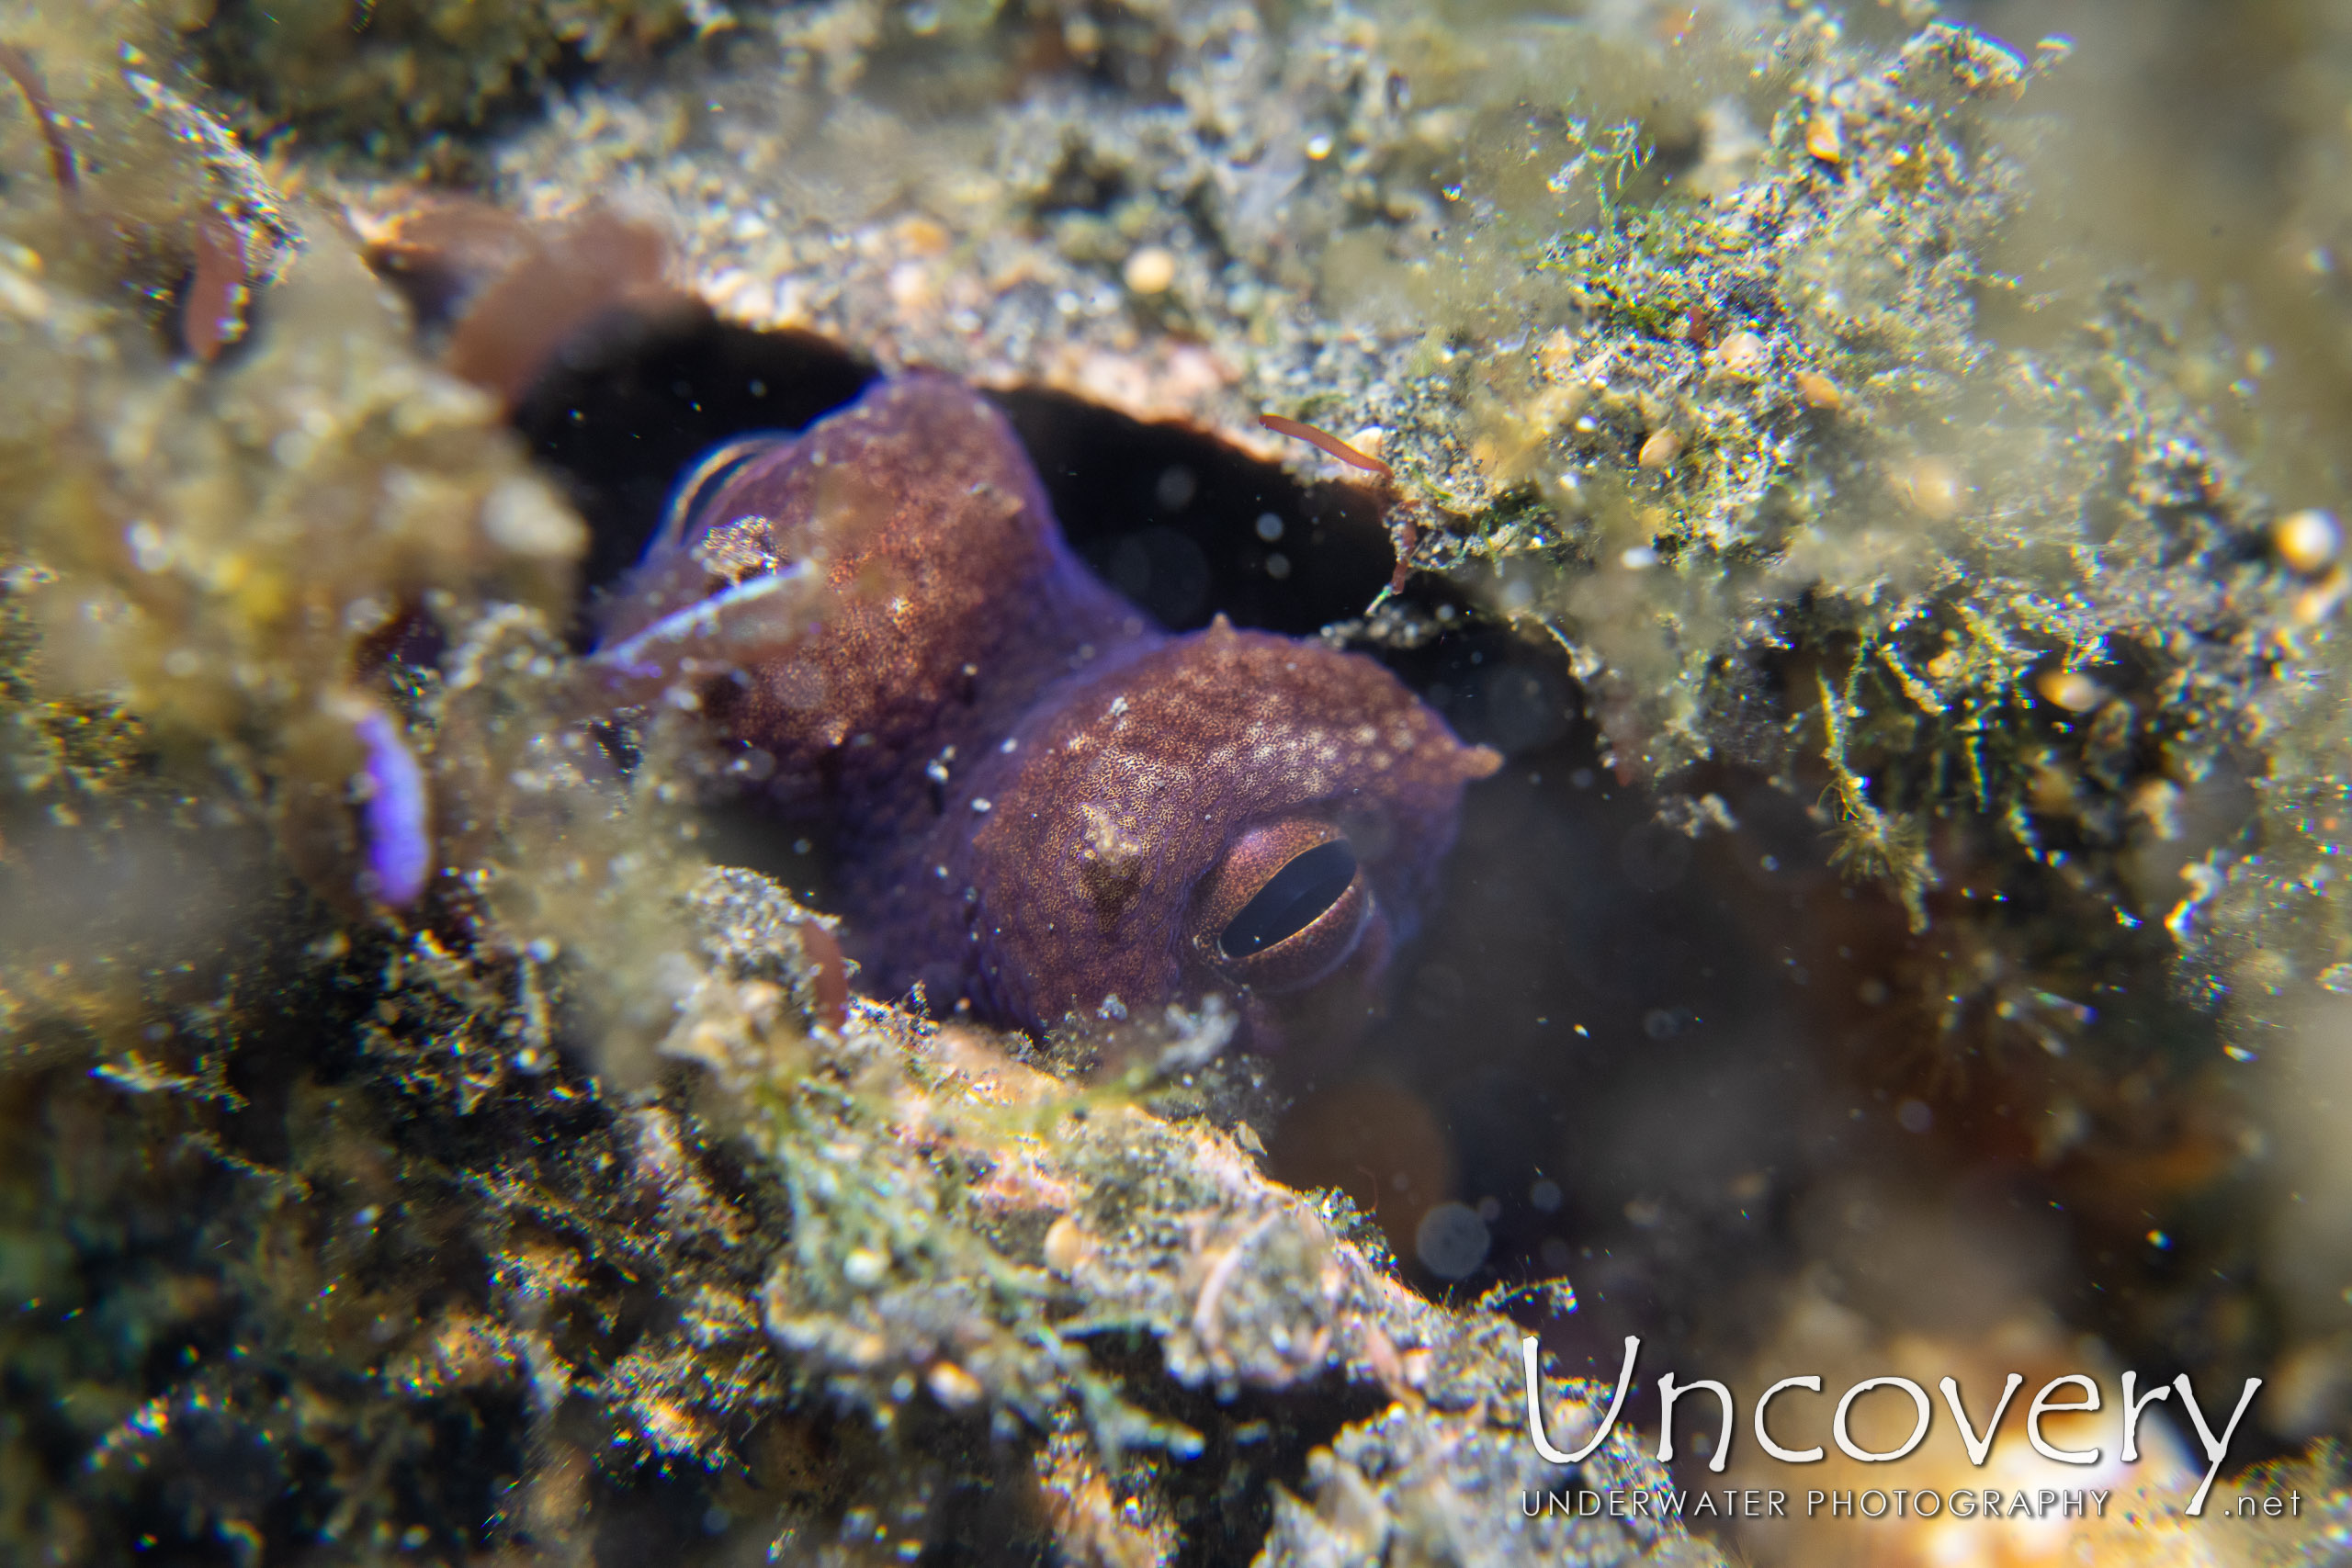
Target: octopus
<point>1039,804</point>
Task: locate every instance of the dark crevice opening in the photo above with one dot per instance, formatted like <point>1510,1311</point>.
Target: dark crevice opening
<point>1180,521</point>
<point>1190,526</point>
<point>619,424</point>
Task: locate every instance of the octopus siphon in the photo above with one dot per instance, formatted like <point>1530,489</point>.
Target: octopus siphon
<point>1038,803</point>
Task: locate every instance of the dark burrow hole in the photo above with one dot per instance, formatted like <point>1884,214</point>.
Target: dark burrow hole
<point>1185,524</point>
<point>621,421</point>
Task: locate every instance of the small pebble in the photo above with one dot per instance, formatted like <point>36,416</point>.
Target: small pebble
<point>1067,1245</point>
<point>1151,270</point>
<point>1742,354</point>
<point>952,1386</point>
<point>2321,599</point>
<point>2072,690</point>
<point>1934,487</point>
<point>1825,138</point>
<point>1661,450</point>
<point>1818,392</point>
<point>926,236</point>
<point>2308,540</point>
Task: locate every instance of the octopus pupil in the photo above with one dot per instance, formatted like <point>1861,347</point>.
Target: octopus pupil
<point>709,476</point>
<point>1293,899</point>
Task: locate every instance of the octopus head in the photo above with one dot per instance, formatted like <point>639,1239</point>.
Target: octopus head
<point>1233,812</point>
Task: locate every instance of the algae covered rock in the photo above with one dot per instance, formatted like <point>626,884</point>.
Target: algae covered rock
<point>452,1295</point>
<point>394,74</point>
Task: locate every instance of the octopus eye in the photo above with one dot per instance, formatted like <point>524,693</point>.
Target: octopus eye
<point>1293,899</point>
<point>1286,907</point>
<point>703,482</point>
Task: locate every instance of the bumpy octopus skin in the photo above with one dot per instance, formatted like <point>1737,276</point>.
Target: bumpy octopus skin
<point>1038,801</point>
